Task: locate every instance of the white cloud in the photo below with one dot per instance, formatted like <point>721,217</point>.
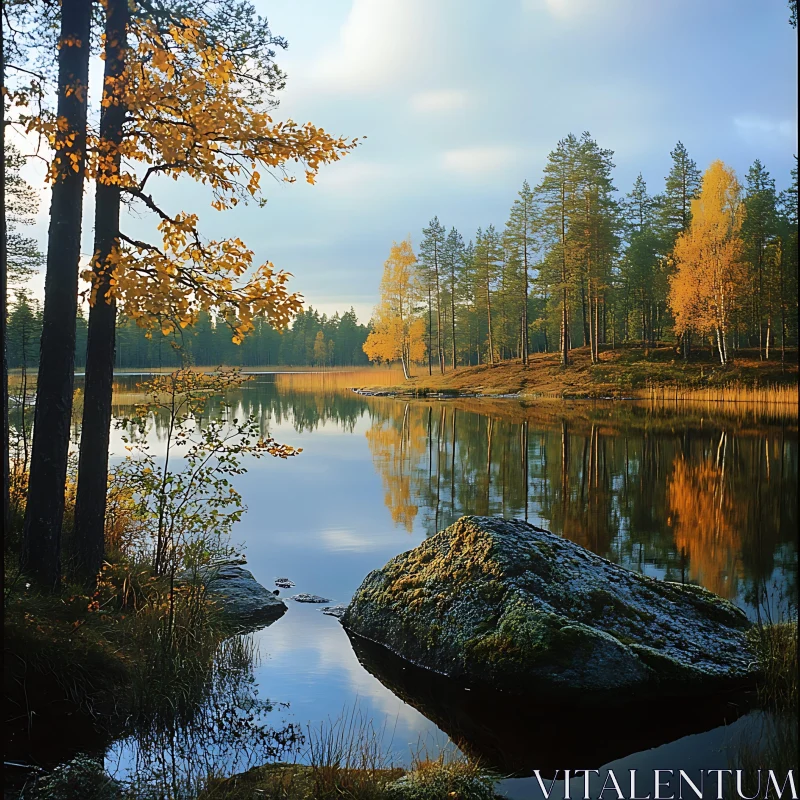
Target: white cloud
<point>380,42</point>
<point>478,161</point>
<point>440,100</point>
<point>756,129</point>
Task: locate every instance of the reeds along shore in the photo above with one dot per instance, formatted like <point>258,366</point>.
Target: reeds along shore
<point>776,402</point>
<point>775,394</point>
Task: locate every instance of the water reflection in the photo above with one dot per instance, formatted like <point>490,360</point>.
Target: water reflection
<point>515,735</point>
<point>680,498</point>
<point>674,493</point>
<point>172,756</point>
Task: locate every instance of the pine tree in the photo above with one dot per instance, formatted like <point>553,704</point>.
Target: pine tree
<point>787,266</point>
<point>487,259</point>
<point>596,226</point>
<point>454,266</point>
<point>557,194</point>
<point>431,252</point>
<point>521,230</point>
<point>681,187</point>
<point>759,227</point>
<point>642,276</point>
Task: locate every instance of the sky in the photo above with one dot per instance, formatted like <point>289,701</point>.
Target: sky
<point>462,100</point>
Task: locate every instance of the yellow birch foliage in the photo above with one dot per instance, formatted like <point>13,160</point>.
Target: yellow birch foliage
<point>398,333</point>
<point>709,276</point>
<point>188,115</point>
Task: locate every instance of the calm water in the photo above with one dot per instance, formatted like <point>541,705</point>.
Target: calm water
<point>681,496</point>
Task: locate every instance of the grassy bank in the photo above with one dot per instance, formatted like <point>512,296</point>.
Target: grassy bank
<point>620,372</point>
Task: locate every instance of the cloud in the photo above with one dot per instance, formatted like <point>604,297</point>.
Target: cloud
<point>478,161</point>
<point>440,100</point>
<point>755,129</point>
<point>381,42</point>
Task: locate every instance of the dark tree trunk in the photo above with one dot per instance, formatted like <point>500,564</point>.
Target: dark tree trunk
<point>4,291</point>
<point>41,545</point>
<point>90,503</point>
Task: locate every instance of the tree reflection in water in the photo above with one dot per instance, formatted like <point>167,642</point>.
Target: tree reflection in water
<point>172,756</point>
<point>689,499</point>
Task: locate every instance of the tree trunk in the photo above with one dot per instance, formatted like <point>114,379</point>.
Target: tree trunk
<point>769,333</point>
<point>90,503</point>
<point>439,348</point>
<point>489,318</point>
<point>41,547</point>
<point>4,295</point>
<point>586,334</point>
<point>430,328</point>
<point>525,299</point>
<point>720,347</point>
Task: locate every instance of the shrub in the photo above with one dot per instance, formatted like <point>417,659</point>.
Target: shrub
<point>443,779</point>
<point>82,777</point>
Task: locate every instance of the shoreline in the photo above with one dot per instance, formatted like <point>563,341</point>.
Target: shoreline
<point>621,374</point>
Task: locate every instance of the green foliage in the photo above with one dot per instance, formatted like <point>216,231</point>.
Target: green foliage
<point>574,261</point>
<point>208,343</point>
<point>189,512</point>
<point>22,203</point>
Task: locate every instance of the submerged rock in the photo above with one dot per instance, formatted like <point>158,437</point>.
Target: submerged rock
<point>245,602</point>
<point>500,602</point>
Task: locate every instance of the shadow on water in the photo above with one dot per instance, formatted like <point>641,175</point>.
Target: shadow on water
<point>515,735</point>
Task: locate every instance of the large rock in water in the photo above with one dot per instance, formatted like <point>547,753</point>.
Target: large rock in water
<point>500,602</point>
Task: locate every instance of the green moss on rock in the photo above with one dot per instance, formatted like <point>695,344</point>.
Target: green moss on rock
<point>500,601</point>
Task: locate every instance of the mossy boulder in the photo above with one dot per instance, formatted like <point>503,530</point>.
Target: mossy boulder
<point>501,602</point>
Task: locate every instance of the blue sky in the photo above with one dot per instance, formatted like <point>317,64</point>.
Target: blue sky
<point>461,100</point>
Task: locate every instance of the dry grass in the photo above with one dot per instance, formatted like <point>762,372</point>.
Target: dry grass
<point>657,375</point>
<point>336,380</point>
<point>776,646</point>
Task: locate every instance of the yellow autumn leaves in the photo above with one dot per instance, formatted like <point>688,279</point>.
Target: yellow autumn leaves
<point>709,278</point>
<point>397,332</point>
<point>188,115</point>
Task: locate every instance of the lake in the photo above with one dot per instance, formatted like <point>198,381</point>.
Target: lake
<point>683,494</point>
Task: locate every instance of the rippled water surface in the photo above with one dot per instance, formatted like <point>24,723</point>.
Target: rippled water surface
<point>708,498</point>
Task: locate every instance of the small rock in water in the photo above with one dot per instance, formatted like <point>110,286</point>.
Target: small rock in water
<point>310,598</point>
<point>334,611</point>
<point>284,583</point>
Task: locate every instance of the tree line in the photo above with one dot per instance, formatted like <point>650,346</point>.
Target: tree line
<point>704,260</point>
<point>313,339</point>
